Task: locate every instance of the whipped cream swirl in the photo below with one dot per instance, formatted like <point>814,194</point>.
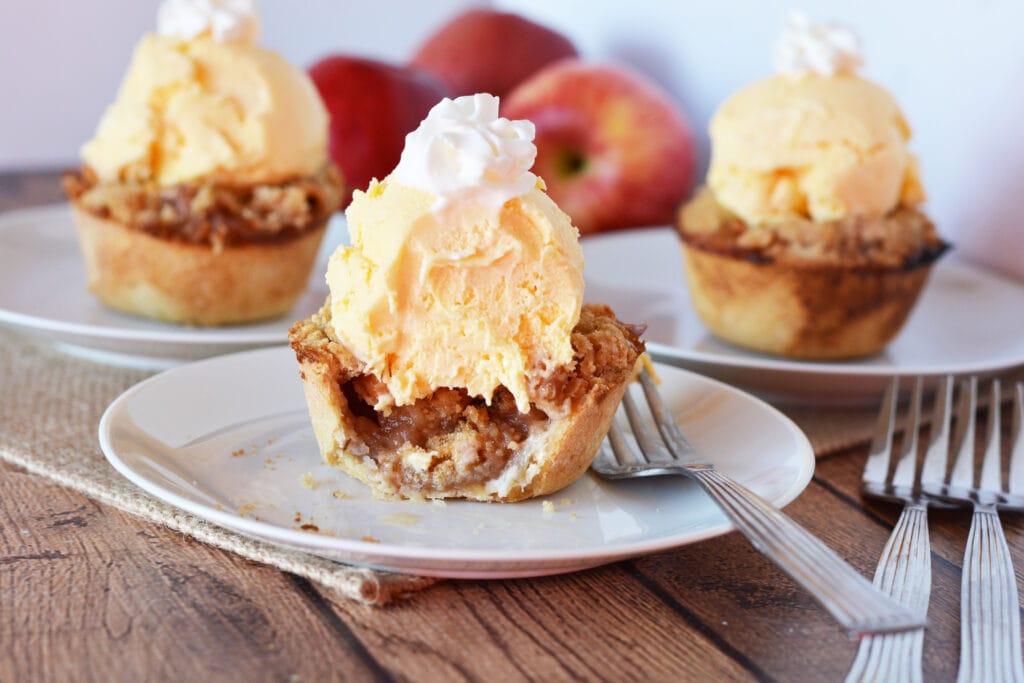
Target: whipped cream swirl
<point>464,150</point>
<point>226,21</point>
<point>825,49</point>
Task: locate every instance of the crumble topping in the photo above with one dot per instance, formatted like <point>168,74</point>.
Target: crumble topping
<point>209,211</point>
<point>905,237</point>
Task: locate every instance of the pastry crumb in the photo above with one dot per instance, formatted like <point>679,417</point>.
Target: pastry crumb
<point>340,495</point>
<point>370,539</point>
<point>403,518</point>
<point>308,481</point>
<point>548,506</point>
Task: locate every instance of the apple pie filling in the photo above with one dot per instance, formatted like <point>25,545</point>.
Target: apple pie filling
<point>210,212</point>
<point>451,440</point>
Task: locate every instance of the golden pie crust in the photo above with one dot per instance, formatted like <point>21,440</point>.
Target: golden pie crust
<point>180,282</point>
<point>803,290</point>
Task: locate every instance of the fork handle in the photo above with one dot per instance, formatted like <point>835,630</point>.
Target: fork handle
<point>990,647</point>
<point>849,597</point>
<point>904,572</point>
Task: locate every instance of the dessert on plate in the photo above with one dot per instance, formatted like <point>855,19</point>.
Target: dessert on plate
<point>807,239</point>
<point>454,357</point>
<point>205,193</point>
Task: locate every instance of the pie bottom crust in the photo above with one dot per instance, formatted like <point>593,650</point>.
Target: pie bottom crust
<point>137,273</point>
<point>814,312</point>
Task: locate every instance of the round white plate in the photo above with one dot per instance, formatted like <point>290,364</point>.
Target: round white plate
<point>42,291</point>
<point>967,320</point>
<point>229,439</point>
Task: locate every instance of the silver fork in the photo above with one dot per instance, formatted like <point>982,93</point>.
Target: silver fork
<point>904,570</point>
<point>990,647</point>
<point>849,597</point>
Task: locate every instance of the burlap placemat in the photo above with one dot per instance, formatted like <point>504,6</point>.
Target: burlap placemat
<point>50,408</point>
<point>51,404</point>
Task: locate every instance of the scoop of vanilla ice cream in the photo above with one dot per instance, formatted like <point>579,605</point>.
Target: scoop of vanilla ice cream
<point>462,272</point>
<point>816,141</point>
<point>205,101</point>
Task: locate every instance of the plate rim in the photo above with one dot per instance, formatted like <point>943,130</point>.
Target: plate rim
<point>438,559</point>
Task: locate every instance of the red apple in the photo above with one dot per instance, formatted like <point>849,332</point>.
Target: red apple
<point>373,106</point>
<point>483,50</point>
<point>612,146</point>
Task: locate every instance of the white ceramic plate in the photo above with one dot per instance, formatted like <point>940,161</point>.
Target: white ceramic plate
<point>967,320</point>
<point>228,439</point>
<point>42,291</point>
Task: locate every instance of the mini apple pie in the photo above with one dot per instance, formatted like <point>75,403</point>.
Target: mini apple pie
<point>205,193</point>
<point>807,241</point>
<point>454,357</point>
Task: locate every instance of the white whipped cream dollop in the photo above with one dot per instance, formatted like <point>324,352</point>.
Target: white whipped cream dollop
<point>464,150</point>
<point>826,49</point>
<point>226,21</point>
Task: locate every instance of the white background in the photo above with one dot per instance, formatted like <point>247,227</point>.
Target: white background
<point>956,67</point>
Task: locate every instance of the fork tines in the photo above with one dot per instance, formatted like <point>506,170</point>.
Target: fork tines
<point>982,482</point>
<point>990,645</point>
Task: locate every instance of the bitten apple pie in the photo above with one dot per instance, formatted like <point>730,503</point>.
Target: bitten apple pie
<point>454,356</point>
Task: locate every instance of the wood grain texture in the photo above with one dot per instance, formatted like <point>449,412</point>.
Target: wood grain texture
<point>597,625</point>
<point>90,594</point>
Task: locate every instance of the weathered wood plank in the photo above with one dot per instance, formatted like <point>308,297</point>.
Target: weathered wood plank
<point>601,624</point>
<point>89,593</point>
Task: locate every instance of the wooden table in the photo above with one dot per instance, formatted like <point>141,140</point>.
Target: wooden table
<point>104,596</point>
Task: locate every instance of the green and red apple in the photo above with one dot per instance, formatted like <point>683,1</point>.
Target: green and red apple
<point>613,148</point>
